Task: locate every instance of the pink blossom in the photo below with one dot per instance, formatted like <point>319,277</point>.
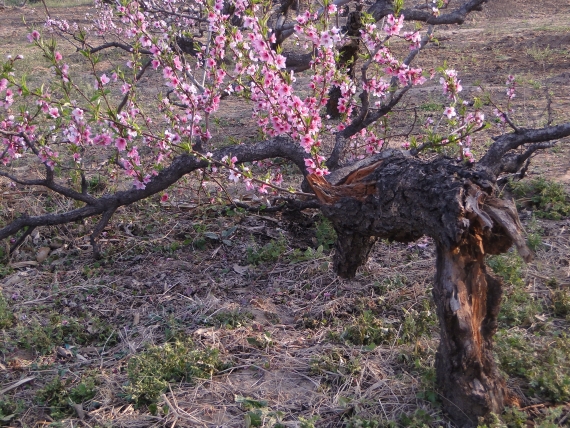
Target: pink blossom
<point>77,114</point>
<point>138,184</point>
<point>449,112</point>
<point>121,143</point>
<point>33,36</point>
<point>58,57</point>
<point>234,176</point>
<point>54,112</point>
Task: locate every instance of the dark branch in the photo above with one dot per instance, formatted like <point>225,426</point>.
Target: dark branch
<point>180,166</point>
<point>383,8</point>
<point>137,78</point>
<point>22,238</point>
<point>493,160</point>
<point>123,46</point>
<point>512,162</point>
<point>99,228</point>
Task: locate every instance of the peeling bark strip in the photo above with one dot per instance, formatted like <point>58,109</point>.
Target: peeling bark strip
<point>402,198</point>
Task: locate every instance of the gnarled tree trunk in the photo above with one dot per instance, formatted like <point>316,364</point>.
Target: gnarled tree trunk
<point>468,301</point>
<point>403,198</point>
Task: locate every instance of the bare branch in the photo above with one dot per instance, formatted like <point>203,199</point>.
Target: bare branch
<point>180,166</point>
<point>137,78</point>
<point>383,8</point>
<point>99,228</point>
<point>493,159</point>
<point>512,162</point>
<point>127,48</point>
<point>21,239</point>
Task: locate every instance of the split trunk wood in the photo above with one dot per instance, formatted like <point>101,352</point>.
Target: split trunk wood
<point>402,198</point>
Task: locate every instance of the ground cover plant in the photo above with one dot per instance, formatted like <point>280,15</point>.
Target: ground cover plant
<point>220,257</point>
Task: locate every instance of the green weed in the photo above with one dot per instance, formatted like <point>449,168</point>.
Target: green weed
<point>369,330</point>
<point>561,303</point>
<point>419,419</point>
<point>547,198</point>
<point>229,319</point>
<point>150,372</point>
<point>534,235</point>
<point>6,315</point>
<point>259,414</point>
<point>309,254</point>
<point>508,266</point>
<point>44,337</point>
<point>326,235</point>
<point>9,410</point>
<point>431,106</point>
<point>58,395</point>
<point>519,307</point>
<point>390,283</point>
<point>417,323</point>
<point>5,269</point>
<point>514,418</point>
<point>269,253</point>
<point>543,362</point>
<point>358,422</point>
<point>335,365</point>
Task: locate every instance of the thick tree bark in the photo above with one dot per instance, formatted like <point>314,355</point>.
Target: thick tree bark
<point>403,198</point>
<point>468,301</point>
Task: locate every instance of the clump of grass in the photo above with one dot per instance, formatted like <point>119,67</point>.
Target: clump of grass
<point>368,330</point>
<point>547,198</point>
<point>544,362</point>
<point>269,253</point>
<point>326,235</point>
<point>43,337</point>
<point>335,365</point>
<point>229,319</point>
<point>59,396</point>
<point>6,314</point>
<point>508,266</point>
<point>150,372</point>
<point>519,307</point>
<point>259,414</point>
<point>9,409</point>
<point>534,235</point>
<point>309,254</point>
<point>418,419</point>
<point>417,323</point>
<point>561,303</point>
<point>390,283</point>
<point>359,422</point>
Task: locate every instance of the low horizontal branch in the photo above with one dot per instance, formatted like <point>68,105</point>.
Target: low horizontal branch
<point>383,8</point>
<point>180,166</point>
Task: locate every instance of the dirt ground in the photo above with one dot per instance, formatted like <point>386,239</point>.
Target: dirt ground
<point>284,324</point>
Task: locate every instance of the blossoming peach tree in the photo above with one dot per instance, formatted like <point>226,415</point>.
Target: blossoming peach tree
<point>369,183</point>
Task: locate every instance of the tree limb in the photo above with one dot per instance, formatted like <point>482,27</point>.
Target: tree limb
<point>180,166</point>
<point>383,8</point>
<point>493,160</point>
